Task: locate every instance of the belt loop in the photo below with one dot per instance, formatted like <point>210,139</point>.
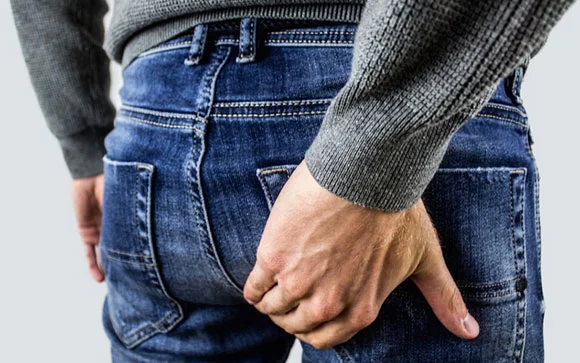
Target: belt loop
<point>247,41</point>
<point>197,45</point>
<point>516,84</point>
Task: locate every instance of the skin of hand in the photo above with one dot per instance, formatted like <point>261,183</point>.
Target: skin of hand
<point>325,265</point>
<point>87,196</point>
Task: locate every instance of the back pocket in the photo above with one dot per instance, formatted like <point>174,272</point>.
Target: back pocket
<point>137,301</point>
<point>272,179</point>
<point>479,216</point>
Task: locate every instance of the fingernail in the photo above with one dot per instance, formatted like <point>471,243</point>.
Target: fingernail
<point>470,325</point>
<point>251,302</point>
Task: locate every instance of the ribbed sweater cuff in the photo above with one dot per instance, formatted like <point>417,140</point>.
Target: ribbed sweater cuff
<point>372,167</point>
<point>83,152</point>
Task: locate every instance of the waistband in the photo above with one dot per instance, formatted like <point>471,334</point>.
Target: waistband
<point>123,46</point>
<point>248,34</point>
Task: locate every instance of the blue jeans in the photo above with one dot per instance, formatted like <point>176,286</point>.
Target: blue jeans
<point>212,124</point>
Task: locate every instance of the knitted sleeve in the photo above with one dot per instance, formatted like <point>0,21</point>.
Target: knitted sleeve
<point>62,45</point>
<point>420,70</point>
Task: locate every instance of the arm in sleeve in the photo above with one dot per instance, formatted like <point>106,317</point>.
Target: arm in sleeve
<point>62,45</point>
<point>420,70</point>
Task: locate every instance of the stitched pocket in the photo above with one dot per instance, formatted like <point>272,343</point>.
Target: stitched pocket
<point>137,301</point>
<point>272,179</point>
<point>479,216</point>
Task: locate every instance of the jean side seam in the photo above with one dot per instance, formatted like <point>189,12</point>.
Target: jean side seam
<point>517,202</point>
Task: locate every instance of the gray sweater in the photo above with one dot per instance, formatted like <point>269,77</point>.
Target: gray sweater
<point>420,70</point>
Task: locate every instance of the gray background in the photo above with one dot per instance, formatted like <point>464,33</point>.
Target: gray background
<point>49,306</point>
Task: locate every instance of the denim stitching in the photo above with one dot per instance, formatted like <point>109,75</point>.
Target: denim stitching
<point>266,189</point>
<point>520,332</point>
<point>337,32</point>
<point>304,113</point>
<point>203,225</point>
<point>506,108</point>
<point>273,103</point>
<point>172,317</point>
<point>497,284</point>
<point>502,119</point>
<point>276,42</point>
<point>160,124</point>
<point>129,262</point>
<point>308,41</point>
<point>207,91</point>
<point>149,325</point>
<point>126,254</point>
<point>242,54</point>
<point>489,294</point>
<point>227,41</point>
<point>162,114</point>
<point>165,47</point>
<point>538,238</point>
<point>154,270</point>
<point>342,354</point>
<point>194,181</point>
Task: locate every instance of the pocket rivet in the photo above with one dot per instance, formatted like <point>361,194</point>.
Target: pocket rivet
<point>521,284</point>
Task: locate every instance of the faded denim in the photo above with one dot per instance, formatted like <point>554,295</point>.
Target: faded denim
<point>211,127</point>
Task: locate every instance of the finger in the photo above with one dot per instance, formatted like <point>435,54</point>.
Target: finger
<point>94,268</point>
<point>308,316</point>
<point>276,302</point>
<point>442,294</point>
<point>336,331</point>
<point>258,283</point>
<point>90,236</point>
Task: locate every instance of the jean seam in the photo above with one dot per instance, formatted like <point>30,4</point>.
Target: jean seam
<point>276,114</point>
<point>161,113</point>
<point>485,115</point>
<point>517,196</point>
<point>273,103</point>
<point>193,171</point>
<point>233,41</point>
<point>160,124</point>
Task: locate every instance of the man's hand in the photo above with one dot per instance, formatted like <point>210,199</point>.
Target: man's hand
<point>325,265</point>
<point>87,195</point>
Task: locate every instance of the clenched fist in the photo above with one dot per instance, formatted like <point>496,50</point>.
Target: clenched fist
<point>325,265</point>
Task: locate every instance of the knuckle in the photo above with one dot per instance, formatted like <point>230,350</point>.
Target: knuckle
<point>327,310</point>
<point>292,287</point>
<point>270,261</point>
<point>364,315</point>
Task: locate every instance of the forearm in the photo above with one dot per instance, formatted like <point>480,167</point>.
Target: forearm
<point>420,70</point>
<point>61,42</point>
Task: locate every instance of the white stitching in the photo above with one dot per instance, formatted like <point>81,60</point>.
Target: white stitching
<point>183,45</point>
<point>506,108</point>
<point>161,124</point>
<point>313,33</point>
<point>165,47</point>
<point>502,119</point>
<point>161,114</point>
<point>284,41</point>
<point>306,41</point>
<point>272,103</point>
<point>306,113</point>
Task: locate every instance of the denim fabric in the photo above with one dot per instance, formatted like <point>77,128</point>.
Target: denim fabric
<point>201,149</point>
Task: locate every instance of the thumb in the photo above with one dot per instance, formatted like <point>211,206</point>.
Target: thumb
<point>442,294</point>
